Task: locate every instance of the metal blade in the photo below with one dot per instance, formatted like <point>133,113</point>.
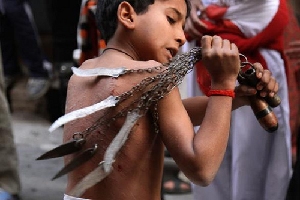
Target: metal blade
<point>64,149</point>
<point>76,162</point>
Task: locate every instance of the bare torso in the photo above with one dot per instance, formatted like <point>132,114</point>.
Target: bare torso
<point>137,170</point>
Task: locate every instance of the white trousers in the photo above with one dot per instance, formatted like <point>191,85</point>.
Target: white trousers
<point>67,197</point>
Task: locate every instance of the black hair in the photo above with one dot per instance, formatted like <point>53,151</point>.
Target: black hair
<point>106,14</point>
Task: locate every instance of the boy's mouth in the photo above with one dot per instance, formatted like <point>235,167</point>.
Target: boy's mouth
<point>172,51</point>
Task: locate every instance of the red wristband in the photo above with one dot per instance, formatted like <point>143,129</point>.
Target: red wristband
<point>228,93</point>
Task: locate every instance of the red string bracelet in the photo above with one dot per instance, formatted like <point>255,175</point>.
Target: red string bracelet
<point>228,93</point>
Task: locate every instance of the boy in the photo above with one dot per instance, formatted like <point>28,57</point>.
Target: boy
<point>139,35</point>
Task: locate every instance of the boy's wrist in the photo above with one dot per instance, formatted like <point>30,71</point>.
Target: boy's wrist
<point>225,85</point>
<point>227,93</point>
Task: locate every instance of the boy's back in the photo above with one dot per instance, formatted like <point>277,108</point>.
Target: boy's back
<point>139,163</point>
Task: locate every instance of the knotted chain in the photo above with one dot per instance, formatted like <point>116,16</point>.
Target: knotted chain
<point>151,89</point>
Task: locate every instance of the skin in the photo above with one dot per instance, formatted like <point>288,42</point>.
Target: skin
<point>193,24</point>
<point>138,167</point>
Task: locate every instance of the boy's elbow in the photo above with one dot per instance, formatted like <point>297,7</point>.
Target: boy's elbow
<point>203,178</point>
<point>204,181</point>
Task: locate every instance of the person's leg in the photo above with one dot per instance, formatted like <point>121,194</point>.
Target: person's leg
<point>9,176</point>
<point>9,56</point>
<point>26,37</point>
<point>18,13</point>
<point>11,67</point>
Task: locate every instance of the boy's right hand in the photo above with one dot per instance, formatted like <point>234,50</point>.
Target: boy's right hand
<point>193,23</point>
<point>221,59</point>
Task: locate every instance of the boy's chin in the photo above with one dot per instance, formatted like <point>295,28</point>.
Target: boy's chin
<point>165,60</point>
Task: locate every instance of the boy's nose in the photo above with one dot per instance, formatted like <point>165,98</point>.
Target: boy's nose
<point>181,39</point>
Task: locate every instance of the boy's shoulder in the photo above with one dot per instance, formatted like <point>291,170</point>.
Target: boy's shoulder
<point>128,64</point>
<point>90,63</point>
<point>128,73</point>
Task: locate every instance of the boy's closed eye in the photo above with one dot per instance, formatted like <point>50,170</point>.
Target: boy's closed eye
<point>171,20</point>
<point>174,16</point>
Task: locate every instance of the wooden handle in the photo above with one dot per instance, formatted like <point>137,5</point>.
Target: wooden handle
<point>249,78</point>
<point>264,114</point>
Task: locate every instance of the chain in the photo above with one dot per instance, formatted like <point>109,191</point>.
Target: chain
<point>150,90</point>
<point>153,88</point>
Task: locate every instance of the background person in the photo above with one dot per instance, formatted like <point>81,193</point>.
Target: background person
<point>19,37</point>
<point>10,185</point>
<point>254,157</point>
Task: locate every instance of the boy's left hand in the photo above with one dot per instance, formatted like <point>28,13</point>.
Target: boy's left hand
<point>267,85</point>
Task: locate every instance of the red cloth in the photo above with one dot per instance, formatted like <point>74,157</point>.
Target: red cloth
<point>271,37</point>
<point>92,42</point>
<point>274,36</point>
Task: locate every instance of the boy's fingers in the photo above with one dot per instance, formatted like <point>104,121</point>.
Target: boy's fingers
<point>217,41</point>
<point>206,42</point>
<point>259,70</point>
<point>244,90</point>
<point>234,47</point>
<point>276,88</point>
<point>270,88</point>
<point>226,44</point>
<point>273,86</point>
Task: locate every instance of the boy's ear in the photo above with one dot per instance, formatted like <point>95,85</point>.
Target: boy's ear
<point>126,14</point>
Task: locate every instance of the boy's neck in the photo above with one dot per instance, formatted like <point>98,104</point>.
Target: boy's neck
<point>119,50</point>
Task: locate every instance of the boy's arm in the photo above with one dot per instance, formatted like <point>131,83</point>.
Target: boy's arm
<point>199,156</point>
<point>267,85</point>
<point>195,107</point>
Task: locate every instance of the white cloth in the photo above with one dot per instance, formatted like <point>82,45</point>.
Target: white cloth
<point>257,164</point>
<point>251,16</point>
<point>67,197</point>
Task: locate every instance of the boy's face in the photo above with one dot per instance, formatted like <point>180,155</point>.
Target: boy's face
<point>160,30</point>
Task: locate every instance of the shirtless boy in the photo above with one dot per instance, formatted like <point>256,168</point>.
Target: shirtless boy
<point>139,35</point>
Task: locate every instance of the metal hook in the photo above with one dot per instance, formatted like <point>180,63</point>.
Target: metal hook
<point>78,135</point>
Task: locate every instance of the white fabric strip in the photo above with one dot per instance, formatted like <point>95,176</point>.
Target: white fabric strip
<point>108,102</point>
<point>67,197</point>
<point>89,180</point>
<point>105,167</point>
<point>120,139</point>
<point>114,72</point>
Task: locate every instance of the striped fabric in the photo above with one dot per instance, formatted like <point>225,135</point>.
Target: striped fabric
<point>89,38</point>
<point>292,33</point>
